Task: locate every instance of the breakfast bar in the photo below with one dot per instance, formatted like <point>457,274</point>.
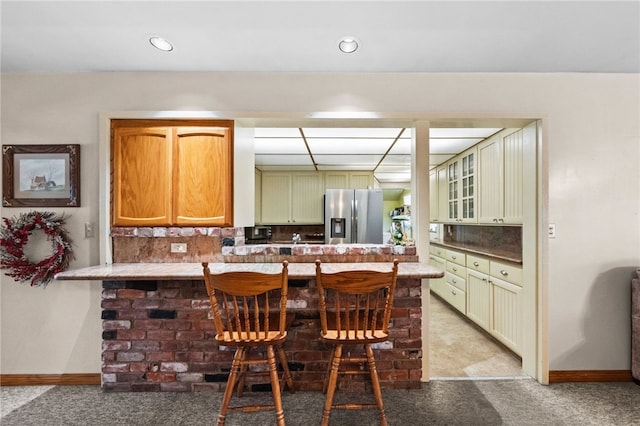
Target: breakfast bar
<point>158,335</point>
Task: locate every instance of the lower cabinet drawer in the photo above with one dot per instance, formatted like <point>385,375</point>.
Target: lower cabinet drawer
<point>456,297</point>
<point>455,281</point>
<point>506,272</point>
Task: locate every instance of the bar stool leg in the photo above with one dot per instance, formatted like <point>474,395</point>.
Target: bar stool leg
<point>375,381</point>
<point>333,380</point>
<point>327,373</point>
<point>228,391</point>
<point>288,380</point>
<point>275,385</point>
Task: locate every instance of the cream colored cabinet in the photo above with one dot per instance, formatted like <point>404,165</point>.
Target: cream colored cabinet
<point>348,180</point>
<point>276,198</point>
<point>433,196</point>
<point>257,189</point>
<point>455,277</point>
<point>437,260</point>
<point>461,187</point>
<point>506,304</point>
<point>478,291</point>
<point>360,180</point>
<point>289,198</point>
<point>171,175</point>
<point>307,204</point>
<point>500,177</point>
<point>438,201</point>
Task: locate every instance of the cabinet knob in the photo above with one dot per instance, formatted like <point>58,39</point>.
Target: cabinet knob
<point>453,257</point>
<point>455,269</point>
<point>454,281</point>
<point>453,292</point>
<point>476,263</point>
<point>503,272</point>
<point>484,279</point>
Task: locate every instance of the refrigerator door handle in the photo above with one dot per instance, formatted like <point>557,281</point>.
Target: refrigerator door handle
<point>354,221</point>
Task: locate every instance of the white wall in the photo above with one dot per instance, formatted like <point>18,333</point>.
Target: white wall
<point>592,143</point>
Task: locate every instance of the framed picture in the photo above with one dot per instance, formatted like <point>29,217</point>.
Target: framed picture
<point>41,175</point>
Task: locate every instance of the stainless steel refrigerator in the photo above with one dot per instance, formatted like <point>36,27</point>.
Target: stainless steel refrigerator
<point>353,216</point>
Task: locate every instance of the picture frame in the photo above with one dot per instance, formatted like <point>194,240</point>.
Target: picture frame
<point>41,175</point>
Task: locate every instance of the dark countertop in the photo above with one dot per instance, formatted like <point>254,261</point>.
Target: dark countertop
<point>492,252</point>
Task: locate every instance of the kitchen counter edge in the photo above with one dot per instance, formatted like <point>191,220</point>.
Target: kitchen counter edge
<point>193,271</point>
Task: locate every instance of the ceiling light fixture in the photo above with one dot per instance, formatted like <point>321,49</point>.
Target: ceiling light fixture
<point>348,45</point>
<point>161,43</point>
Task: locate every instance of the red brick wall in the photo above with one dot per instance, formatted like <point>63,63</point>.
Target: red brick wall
<point>158,336</point>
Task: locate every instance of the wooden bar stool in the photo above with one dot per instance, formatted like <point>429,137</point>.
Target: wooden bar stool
<point>242,313</point>
<point>355,309</point>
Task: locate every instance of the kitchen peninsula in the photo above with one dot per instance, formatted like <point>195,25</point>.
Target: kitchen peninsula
<point>157,334</point>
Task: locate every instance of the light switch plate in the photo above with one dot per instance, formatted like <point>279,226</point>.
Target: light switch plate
<point>88,230</point>
<point>178,247</point>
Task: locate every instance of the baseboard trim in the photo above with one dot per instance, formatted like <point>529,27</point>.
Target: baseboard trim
<point>563,376</point>
<point>49,379</point>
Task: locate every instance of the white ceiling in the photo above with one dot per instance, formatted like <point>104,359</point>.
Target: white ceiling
<point>302,36</point>
<point>394,36</point>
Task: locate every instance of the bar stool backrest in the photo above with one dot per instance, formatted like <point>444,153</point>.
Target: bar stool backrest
<point>248,307</point>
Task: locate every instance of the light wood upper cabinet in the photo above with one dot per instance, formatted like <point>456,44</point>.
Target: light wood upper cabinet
<point>202,176</point>
<point>142,171</point>
<point>172,175</point>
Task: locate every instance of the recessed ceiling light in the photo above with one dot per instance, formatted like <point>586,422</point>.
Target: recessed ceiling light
<point>348,45</point>
<point>161,43</point>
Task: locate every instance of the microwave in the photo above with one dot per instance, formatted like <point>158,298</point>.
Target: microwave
<point>257,234</point>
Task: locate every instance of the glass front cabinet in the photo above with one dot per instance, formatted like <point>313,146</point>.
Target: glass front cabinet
<point>461,180</point>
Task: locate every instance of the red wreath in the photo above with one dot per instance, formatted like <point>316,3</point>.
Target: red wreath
<point>15,234</point>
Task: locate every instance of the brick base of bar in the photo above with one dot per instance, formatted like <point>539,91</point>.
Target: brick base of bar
<point>158,336</point>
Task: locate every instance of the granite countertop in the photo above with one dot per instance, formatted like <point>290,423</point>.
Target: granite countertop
<point>193,271</point>
<point>493,252</point>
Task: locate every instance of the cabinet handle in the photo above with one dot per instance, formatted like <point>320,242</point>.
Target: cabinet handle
<point>476,263</point>
<point>484,279</point>
<point>501,220</point>
<point>503,272</point>
<point>495,220</point>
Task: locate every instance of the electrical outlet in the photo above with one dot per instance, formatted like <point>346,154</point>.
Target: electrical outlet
<point>552,230</point>
<point>178,247</point>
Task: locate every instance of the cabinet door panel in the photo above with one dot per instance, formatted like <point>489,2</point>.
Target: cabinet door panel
<point>307,198</point>
<point>478,298</point>
<point>490,185</point>
<point>506,323</point>
<point>276,198</point>
<point>203,176</point>
<point>142,176</point>
<point>513,176</point>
